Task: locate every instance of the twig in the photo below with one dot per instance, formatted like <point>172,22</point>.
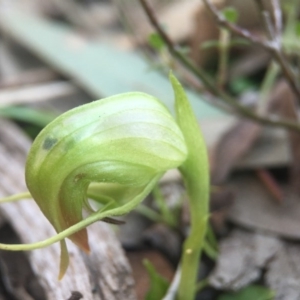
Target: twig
<point>209,83</point>
<point>157,26</point>
<point>277,15</point>
<point>223,57</point>
<point>266,20</point>
<point>273,45</point>
<point>265,88</point>
<point>270,184</point>
<point>236,29</point>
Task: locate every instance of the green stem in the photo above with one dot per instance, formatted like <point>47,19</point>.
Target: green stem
<point>266,87</point>
<point>211,238</point>
<point>202,284</point>
<point>97,216</point>
<point>196,182</point>
<point>195,172</point>
<point>165,211</point>
<point>291,19</point>
<point>16,197</point>
<point>223,57</point>
<point>58,237</point>
<point>209,250</point>
<point>149,213</point>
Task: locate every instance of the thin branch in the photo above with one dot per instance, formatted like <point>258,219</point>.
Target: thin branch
<point>150,13</point>
<point>269,25</point>
<point>209,83</point>
<point>222,21</point>
<point>273,45</point>
<point>266,20</point>
<point>277,15</point>
<point>222,73</point>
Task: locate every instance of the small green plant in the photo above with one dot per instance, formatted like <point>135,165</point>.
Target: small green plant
<point>114,151</point>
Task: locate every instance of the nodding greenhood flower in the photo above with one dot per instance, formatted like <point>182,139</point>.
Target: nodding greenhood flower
<point>114,149</point>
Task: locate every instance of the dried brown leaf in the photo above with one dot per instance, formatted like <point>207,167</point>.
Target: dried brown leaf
<point>221,200</point>
<point>268,146</point>
<point>254,208</point>
<point>271,184</point>
<point>270,150</point>
<point>285,105</point>
<point>231,147</point>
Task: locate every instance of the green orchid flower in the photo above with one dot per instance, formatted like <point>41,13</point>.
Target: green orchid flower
<point>115,151</point>
<point>129,141</point>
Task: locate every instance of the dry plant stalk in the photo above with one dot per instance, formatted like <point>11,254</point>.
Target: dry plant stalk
<point>272,44</point>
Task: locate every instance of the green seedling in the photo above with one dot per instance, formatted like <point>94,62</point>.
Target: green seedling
<point>158,284</point>
<point>115,151</point>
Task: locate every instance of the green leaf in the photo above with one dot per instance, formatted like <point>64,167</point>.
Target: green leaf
<point>210,251</point>
<point>89,62</point>
<point>230,14</point>
<point>250,293</point>
<point>241,84</point>
<point>185,50</point>
<point>297,29</point>
<point>210,44</point>
<point>158,284</point>
<point>156,41</point>
<point>27,114</point>
<point>165,211</point>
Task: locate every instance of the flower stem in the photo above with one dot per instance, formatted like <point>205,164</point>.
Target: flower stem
<point>196,182</point>
<point>97,216</point>
<point>195,172</point>
<point>16,197</point>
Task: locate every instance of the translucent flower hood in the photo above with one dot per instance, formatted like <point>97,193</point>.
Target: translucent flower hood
<point>125,142</point>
